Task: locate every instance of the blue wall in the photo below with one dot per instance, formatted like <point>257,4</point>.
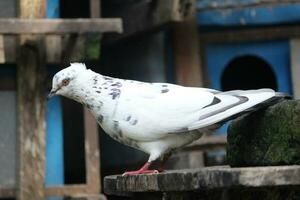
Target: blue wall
<point>275,53</point>
<point>54,139</point>
<point>264,15</point>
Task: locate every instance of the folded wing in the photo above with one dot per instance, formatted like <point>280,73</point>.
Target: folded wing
<point>162,109</point>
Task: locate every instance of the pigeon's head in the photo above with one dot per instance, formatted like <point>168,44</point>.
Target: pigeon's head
<point>63,81</point>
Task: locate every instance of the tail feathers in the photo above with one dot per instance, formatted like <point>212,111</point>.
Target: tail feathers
<point>249,101</point>
<point>279,96</point>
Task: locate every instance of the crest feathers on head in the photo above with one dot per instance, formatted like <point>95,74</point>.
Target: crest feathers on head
<point>80,66</point>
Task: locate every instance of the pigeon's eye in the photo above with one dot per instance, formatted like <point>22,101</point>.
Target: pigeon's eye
<point>65,82</point>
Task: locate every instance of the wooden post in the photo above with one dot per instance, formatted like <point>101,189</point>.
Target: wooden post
<point>295,66</point>
<point>187,51</point>
<point>92,154</point>
<point>31,108</point>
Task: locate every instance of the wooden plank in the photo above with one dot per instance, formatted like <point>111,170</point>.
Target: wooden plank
<point>186,51</point>
<point>251,34</point>
<point>206,178</point>
<point>146,16</point>
<point>59,26</point>
<point>295,66</point>
<point>92,153</point>
<point>67,190</point>
<point>31,73</point>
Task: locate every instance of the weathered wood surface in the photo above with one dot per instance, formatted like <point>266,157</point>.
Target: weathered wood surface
<point>207,178</point>
<point>92,155</point>
<point>266,137</point>
<point>186,51</point>
<point>31,103</point>
<point>59,26</point>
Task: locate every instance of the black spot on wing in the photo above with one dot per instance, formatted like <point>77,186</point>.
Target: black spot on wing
<point>107,78</point>
<point>117,84</point>
<point>242,100</point>
<point>214,102</point>
<point>134,122</point>
<point>164,90</point>
<point>128,118</point>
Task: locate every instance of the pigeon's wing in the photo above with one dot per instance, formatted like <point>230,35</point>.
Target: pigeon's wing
<point>152,111</point>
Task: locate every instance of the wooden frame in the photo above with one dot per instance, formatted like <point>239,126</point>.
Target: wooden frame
<point>59,26</point>
<point>31,62</point>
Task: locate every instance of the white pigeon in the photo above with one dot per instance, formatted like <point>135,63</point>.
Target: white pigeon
<point>153,117</point>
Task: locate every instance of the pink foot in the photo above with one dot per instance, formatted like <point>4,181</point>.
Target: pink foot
<point>140,172</point>
<point>144,170</point>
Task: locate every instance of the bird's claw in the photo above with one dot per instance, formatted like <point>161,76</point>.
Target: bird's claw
<point>140,172</point>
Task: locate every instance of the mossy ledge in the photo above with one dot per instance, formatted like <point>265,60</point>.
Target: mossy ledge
<point>266,137</point>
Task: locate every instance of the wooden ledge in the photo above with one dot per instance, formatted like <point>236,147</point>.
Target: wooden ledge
<point>219,177</point>
<point>60,26</point>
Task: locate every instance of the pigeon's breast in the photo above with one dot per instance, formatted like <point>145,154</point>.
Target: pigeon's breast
<point>112,128</point>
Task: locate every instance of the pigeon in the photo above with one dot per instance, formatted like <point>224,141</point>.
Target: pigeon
<point>155,118</point>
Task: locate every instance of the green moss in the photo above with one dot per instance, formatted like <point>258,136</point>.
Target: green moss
<point>266,137</point>
<point>93,49</point>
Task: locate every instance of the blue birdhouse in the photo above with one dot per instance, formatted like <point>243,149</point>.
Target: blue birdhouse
<point>247,64</point>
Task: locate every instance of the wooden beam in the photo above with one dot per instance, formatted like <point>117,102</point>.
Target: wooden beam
<point>59,26</point>
<point>67,190</point>
<point>92,154</point>
<point>95,6</point>
<point>31,102</point>
<point>186,51</point>
<point>92,159</point>
<point>252,34</point>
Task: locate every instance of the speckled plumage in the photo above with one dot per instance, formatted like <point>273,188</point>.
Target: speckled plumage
<point>153,117</point>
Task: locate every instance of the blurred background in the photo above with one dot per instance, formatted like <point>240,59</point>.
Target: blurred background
<point>225,45</point>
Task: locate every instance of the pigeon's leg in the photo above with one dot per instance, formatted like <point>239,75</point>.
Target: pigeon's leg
<point>157,162</point>
<point>144,170</point>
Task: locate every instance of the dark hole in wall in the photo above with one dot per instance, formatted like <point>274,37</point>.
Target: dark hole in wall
<point>248,72</point>
<point>74,157</point>
<point>74,9</point>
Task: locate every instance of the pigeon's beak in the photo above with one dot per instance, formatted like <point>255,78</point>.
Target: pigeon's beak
<point>51,94</point>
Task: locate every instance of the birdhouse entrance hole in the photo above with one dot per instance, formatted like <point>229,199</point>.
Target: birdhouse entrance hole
<point>248,72</point>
